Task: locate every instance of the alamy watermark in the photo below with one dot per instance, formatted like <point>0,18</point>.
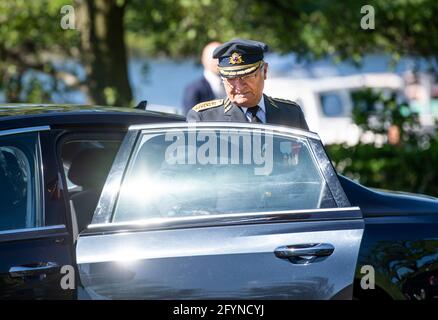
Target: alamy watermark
<point>223,148</point>
<point>68,20</point>
<point>368,280</point>
<point>68,278</point>
<point>368,20</point>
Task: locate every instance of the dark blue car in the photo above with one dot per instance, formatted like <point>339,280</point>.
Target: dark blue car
<point>112,203</point>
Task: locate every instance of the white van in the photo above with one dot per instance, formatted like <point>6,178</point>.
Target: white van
<point>327,103</point>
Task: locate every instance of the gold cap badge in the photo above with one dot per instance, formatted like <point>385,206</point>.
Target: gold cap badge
<point>236,58</point>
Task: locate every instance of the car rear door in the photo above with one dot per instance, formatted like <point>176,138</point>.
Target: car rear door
<point>220,211</point>
<point>35,245</point>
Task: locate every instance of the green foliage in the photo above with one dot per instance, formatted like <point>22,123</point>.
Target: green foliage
<point>182,27</point>
<point>30,36</point>
<point>390,167</point>
<point>312,28</point>
<point>409,165</point>
<point>376,111</point>
<point>30,33</point>
<point>402,27</point>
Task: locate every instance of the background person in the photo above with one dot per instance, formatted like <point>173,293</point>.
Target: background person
<point>209,86</point>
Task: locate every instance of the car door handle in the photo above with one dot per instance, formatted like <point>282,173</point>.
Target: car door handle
<point>304,253</point>
<point>33,269</point>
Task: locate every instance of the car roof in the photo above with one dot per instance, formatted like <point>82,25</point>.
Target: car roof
<point>25,115</point>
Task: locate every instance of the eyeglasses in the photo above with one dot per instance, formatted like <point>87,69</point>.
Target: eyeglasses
<point>246,78</point>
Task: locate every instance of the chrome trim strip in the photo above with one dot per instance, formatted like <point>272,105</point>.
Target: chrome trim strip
<point>25,230</point>
<point>110,193</point>
<point>329,173</point>
<point>224,218</point>
<point>24,130</point>
<point>217,125</point>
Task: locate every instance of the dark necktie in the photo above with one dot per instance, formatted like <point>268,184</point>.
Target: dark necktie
<point>253,114</point>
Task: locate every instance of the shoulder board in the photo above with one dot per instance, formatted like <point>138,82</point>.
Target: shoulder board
<point>283,100</point>
<point>208,105</point>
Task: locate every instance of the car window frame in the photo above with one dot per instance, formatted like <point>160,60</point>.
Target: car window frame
<point>104,212</point>
<point>42,230</point>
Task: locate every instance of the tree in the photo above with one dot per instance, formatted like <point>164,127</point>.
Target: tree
<point>31,39</point>
<point>23,47</point>
<point>103,51</point>
<point>311,28</point>
<point>30,36</point>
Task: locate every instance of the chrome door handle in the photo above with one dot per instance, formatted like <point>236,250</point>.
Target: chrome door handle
<point>304,253</point>
<point>33,269</point>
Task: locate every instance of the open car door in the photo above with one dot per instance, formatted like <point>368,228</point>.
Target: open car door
<point>220,211</point>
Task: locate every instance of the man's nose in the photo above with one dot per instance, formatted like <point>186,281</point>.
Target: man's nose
<point>238,85</point>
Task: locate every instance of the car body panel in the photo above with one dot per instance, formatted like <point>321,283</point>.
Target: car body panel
<point>35,249</point>
<point>403,251</point>
<point>379,203</point>
<point>228,262</point>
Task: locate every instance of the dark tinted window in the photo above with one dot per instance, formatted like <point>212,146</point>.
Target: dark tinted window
<point>19,182</point>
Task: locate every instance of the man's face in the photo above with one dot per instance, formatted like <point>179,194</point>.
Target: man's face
<point>248,90</point>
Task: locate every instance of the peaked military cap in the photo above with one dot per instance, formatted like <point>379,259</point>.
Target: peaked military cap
<point>239,57</point>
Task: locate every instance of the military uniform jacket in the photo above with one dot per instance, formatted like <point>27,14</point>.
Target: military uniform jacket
<point>278,111</point>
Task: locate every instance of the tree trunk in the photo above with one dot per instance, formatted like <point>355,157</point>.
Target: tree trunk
<point>103,51</point>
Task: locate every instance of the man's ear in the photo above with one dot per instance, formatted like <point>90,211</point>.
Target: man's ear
<point>265,70</point>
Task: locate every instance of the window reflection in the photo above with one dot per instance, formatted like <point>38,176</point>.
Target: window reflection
<point>219,172</point>
<point>18,182</point>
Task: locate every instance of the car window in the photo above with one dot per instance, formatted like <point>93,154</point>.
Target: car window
<point>331,104</point>
<point>19,182</point>
<point>206,172</point>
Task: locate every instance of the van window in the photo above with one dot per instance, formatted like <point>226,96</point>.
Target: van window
<point>331,104</point>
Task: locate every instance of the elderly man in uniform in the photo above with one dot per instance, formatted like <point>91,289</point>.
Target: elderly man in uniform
<point>243,72</point>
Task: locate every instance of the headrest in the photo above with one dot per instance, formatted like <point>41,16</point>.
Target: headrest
<point>90,167</point>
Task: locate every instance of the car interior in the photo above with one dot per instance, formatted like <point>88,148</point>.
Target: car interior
<point>86,163</point>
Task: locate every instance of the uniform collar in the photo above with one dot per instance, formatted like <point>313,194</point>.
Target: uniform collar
<point>261,114</point>
<point>261,104</point>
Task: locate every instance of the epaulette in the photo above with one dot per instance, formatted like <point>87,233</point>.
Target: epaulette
<point>273,100</point>
<point>208,104</point>
<point>284,100</point>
